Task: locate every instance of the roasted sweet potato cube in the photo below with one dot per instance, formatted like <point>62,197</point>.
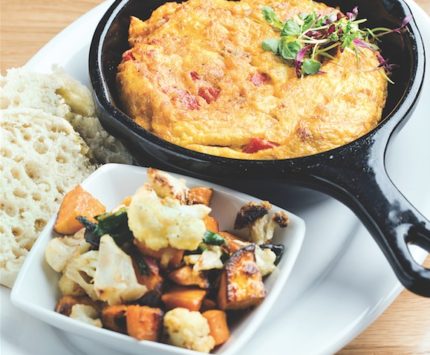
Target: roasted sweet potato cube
<point>171,257</point>
<point>168,257</point>
<point>200,195</point>
<point>156,254</point>
<point>186,276</point>
<point>241,284</point>
<point>190,298</point>
<point>233,243</point>
<point>144,323</point>
<point>77,202</point>
<point>211,224</point>
<point>126,201</point>
<point>150,277</point>
<point>114,318</point>
<point>217,321</point>
<point>65,303</point>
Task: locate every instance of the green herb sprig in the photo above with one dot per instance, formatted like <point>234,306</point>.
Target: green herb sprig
<point>212,238</point>
<point>113,223</point>
<point>307,40</point>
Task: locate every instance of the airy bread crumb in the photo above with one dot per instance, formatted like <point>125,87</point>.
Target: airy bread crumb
<point>61,95</point>
<point>41,157</point>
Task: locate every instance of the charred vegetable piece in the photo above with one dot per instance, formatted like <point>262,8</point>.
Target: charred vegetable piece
<point>261,225</point>
<point>241,284</point>
<point>232,242</point>
<point>250,213</point>
<point>168,257</point>
<point>114,318</point>
<point>278,249</point>
<point>211,224</point>
<point>167,185</point>
<point>186,276</point>
<point>113,223</point>
<point>190,298</point>
<point>171,257</point>
<point>65,303</point>
<point>148,272</point>
<point>141,265</point>
<point>77,202</point>
<point>208,304</point>
<point>200,195</point>
<point>281,218</point>
<point>144,323</point>
<point>212,238</point>
<point>150,298</point>
<point>218,325</point>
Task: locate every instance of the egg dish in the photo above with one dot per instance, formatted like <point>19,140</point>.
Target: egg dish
<point>198,76</point>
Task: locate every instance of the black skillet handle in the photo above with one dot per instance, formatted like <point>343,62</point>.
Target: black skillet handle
<point>357,177</point>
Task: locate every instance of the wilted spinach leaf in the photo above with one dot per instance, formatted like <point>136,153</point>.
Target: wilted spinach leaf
<point>113,223</point>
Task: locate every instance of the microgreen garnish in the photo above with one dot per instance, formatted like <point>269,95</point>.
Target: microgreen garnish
<point>307,40</point>
<point>272,18</point>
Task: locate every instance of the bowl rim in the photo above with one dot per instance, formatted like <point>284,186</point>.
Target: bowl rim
<point>67,324</point>
<point>387,124</point>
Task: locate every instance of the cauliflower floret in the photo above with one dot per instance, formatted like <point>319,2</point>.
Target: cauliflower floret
<point>261,225</point>
<point>265,259</point>
<point>261,231</point>
<point>86,314</point>
<point>160,223</point>
<point>61,250</point>
<point>115,279</point>
<point>81,269</point>
<point>208,260</point>
<point>166,185</point>
<point>188,330</point>
<point>69,287</point>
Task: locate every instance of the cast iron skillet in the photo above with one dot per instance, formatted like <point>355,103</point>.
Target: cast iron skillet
<point>354,173</point>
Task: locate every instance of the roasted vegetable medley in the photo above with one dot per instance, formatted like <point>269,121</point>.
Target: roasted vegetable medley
<point>157,267</point>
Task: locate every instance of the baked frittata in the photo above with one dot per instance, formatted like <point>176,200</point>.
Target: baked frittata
<point>197,76</point>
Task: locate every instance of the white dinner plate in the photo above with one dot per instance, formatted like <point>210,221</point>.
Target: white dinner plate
<point>341,282</point>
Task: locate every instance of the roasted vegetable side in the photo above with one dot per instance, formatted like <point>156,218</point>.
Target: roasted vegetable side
<point>181,283</point>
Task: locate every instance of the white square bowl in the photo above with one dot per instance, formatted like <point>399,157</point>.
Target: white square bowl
<point>36,291</point>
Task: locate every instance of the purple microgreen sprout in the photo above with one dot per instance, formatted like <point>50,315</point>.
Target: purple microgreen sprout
<point>352,15</point>
<point>405,22</point>
<point>388,67</point>
<point>299,60</point>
